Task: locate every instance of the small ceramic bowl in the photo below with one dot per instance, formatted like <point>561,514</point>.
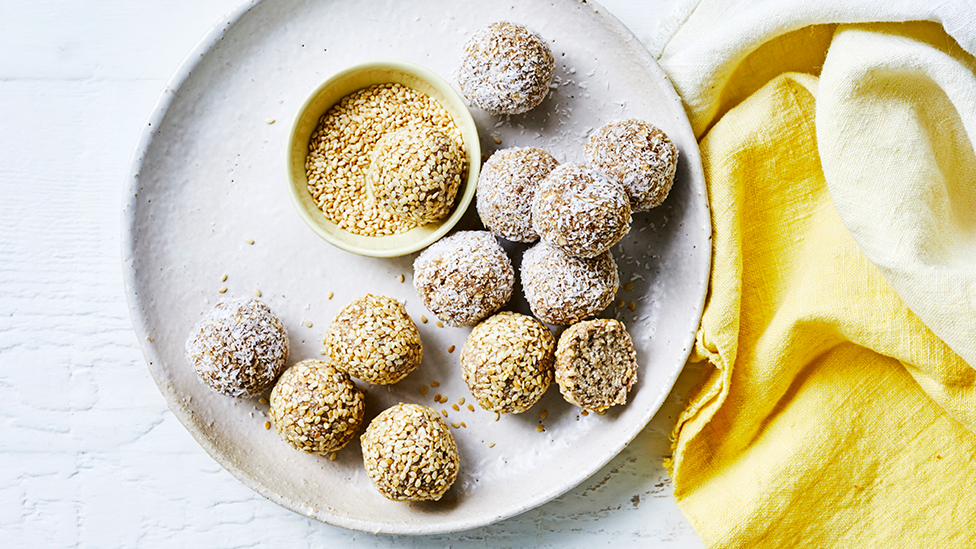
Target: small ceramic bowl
<point>331,91</point>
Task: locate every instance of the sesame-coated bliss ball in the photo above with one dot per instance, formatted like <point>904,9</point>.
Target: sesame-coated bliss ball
<point>507,362</point>
<point>506,188</point>
<point>238,347</point>
<point>316,408</point>
<point>464,278</point>
<point>580,211</point>
<point>373,338</point>
<point>562,289</point>
<point>415,173</point>
<point>596,364</point>
<point>506,69</point>
<point>638,155</point>
<point>410,454</point>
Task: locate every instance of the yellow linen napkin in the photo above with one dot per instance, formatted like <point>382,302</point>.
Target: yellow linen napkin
<point>833,416</point>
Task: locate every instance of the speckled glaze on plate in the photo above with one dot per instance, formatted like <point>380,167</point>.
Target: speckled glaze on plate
<point>207,179</point>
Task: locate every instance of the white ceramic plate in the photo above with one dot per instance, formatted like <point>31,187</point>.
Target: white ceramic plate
<point>209,174</point>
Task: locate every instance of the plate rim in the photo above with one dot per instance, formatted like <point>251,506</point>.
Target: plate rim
<point>185,417</point>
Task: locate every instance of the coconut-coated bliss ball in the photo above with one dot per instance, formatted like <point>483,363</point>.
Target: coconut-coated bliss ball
<point>415,173</point>
<point>506,188</point>
<point>580,211</point>
<point>316,408</point>
<point>373,338</point>
<point>638,155</point>
<point>464,278</point>
<point>562,289</point>
<point>507,362</point>
<point>596,364</point>
<point>506,69</point>
<point>410,454</point>
<point>238,347</point>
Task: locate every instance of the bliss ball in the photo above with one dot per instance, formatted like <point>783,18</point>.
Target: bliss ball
<point>562,289</point>
<point>316,408</point>
<point>507,362</point>
<point>506,69</point>
<point>238,347</point>
<point>638,155</point>
<point>596,364</point>
<point>464,278</point>
<point>415,173</point>
<point>410,454</point>
<point>373,338</point>
<point>580,211</point>
<point>506,188</point>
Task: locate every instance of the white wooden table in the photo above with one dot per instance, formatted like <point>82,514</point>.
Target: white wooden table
<point>89,454</point>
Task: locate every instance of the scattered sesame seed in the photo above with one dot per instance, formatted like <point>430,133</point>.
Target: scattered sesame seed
<point>601,412</point>
<point>461,400</point>
<point>222,290</point>
<point>440,324</point>
<point>437,397</point>
<point>470,407</point>
<point>423,390</point>
<point>400,278</point>
<point>330,295</point>
<point>435,384</point>
<point>307,323</point>
<point>450,349</point>
<point>249,241</point>
<point>497,415</point>
<point>332,456</point>
<point>496,139</point>
<point>463,425</point>
<point>621,303</point>
<point>257,292</point>
<point>628,287</point>
<point>443,400</point>
<point>632,305</point>
<point>223,278</point>
<point>455,407</point>
<point>323,352</point>
<point>267,424</point>
<point>423,319</point>
<point>444,412</point>
<point>455,424</point>
<point>540,428</point>
<point>491,444</point>
<point>270,121</point>
<point>544,414</point>
<point>263,400</point>
<point>584,413</point>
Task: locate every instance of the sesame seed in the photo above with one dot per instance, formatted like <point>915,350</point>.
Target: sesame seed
<point>400,278</point>
<point>628,287</point>
<point>543,414</point>
<point>257,292</point>
<point>435,384</point>
<point>621,303</point>
<point>584,413</point>
<point>332,456</point>
<point>267,424</point>
<point>440,324</point>
<point>270,121</point>
<point>222,289</point>
<point>443,399</point>
<point>437,397</point>
<point>470,407</point>
<point>540,428</point>
<point>263,400</point>
<point>461,400</point>
<point>463,425</point>
<point>455,424</point>
<point>249,241</point>
<point>423,390</point>
<point>632,305</point>
<point>423,319</point>
<point>444,413</point>
<point>497,415</point>
<point>307,323</point>
<point>450,349</point>
<point>323,352</point>
<point>491,444</point>
<point>330,295</point>
<point>601,412</point>
<point>223,278</point>
<point>455,407</point>
<point>496,139</point>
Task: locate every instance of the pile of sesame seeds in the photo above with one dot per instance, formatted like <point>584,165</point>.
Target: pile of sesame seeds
<point>316,408</point>
<point>410,454</point>
<point>341,148</point>
<point>373,338</point>
<point>507,362</point>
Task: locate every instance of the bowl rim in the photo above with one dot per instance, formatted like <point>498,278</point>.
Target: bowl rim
<point>296,186</point>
